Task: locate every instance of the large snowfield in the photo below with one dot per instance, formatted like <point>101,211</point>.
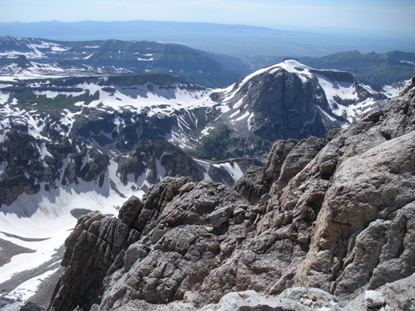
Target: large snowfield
<point>40,223</point>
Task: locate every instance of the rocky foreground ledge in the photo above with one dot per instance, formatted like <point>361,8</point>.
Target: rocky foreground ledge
<point>325,225</point>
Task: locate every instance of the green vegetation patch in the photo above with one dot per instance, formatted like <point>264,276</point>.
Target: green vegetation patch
<point>29,100</point>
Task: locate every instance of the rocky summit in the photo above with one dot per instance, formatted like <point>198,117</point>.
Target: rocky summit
<point>326,224</point>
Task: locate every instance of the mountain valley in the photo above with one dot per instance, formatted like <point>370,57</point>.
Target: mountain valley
<point>232,185</point>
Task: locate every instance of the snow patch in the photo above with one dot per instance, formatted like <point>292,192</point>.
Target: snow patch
<point>333,90</point>
<point>157,101</point>
<point>408,62</point>
<point>207,130</point>
<point>393,90</point>
<point>44,151</point>
<point>242,117</point>
<point>27,289</point>
<point>89,56</point>
<point>45,218</point>
<point>232,168</point>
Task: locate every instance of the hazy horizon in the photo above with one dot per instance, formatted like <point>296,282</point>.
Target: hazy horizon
<point>327,30</point>
<point>381,17</point>
<point>229,39</point>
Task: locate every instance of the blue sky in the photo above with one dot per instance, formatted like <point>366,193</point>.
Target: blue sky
<point>370,16</point>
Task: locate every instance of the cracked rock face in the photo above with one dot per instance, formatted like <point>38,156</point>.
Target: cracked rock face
<point>325,225</point>
<point>380,213</point>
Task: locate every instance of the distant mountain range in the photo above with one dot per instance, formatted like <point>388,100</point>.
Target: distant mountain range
<point>31,58</point>
<point>237,40</point>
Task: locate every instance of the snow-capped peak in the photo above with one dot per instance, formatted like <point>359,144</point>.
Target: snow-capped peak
<point>340,97</point>
<point>290,65</point>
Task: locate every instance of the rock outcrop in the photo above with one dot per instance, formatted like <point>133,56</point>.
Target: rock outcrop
<point>175,231</point>
<point>326,225</point>
<point>285,160</point>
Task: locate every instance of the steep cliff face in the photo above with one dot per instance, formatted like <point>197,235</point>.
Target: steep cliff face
<point>335,214</point>
<point>292,100</point>
<point>276,103</point>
